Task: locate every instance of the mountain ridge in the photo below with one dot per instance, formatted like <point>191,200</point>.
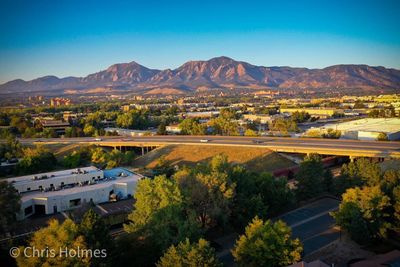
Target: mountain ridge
<point>218,72</point>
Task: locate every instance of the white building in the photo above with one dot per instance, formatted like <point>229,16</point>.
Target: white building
<point>130,133</point>
<point>53,192</point>
<point>367,129</point>
<point>173,129</point>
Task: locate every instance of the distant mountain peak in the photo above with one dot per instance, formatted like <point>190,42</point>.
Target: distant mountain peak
<point>219,71</point>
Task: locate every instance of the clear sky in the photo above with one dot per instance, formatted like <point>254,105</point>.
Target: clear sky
<point>77,37</point>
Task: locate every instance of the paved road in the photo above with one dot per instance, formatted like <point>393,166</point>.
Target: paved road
<point>313,224</point>
<point>291,145</point>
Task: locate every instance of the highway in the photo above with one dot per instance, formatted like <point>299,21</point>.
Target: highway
<point>338,147</point>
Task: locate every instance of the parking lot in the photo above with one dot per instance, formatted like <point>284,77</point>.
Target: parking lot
<point>312,224</point>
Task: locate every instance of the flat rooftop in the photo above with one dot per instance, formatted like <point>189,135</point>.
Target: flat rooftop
<point>112,177</point>
<point>51,175</point>
<point>386,125</point>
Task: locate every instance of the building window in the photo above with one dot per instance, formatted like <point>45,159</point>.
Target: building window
<point>28,210</point>
<point>75,202</point>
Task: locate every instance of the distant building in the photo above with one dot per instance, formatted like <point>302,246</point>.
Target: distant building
<point>314,112</point>
<point>130,132</point>
<point>58,126</point>
<point>201,114</point>
<point>173,129</point>
<point>366,129</point>
<point>52,192</point>
<point>56,102</point>
<point>264,119</point>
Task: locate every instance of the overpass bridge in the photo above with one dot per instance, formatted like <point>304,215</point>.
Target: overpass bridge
<point>336,147</point>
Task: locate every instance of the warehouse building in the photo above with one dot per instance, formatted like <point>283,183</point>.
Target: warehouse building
<point>314,112</point>
<point>367,129</point>
<point>53,192</point>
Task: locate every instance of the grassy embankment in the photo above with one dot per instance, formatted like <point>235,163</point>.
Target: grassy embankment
<point>256,159</point>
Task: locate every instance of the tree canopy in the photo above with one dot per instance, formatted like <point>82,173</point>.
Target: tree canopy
<point>267,244</point>
<point>187,254</point>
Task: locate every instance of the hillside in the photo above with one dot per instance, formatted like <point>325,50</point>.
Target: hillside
<point>219,72</point>
<point>256,159</point>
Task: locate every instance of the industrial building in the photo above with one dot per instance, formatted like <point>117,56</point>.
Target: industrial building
<point>366,129</point>
<point>53,192</point>
<point>315,112</point>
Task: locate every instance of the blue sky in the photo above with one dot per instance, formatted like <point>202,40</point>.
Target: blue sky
<point>75,38</point>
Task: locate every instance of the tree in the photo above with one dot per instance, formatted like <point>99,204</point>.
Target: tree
<point>50,240</point>
<point>199,254</point>
<point>134,119</point>
<point>363,213</point>
<point>159,213</point>
<point>36,160</point>
<point>9,206</point>
<point>191,126</point>
<point>98,156</point>
<point>284,126</point>
<point>151,196</point>
<point>162,129</point>
<point>250,132</point>
<point>258,194</point>
<point>115,158</point>
<point>267,244</point>
<point>363,169</point>
<point>89,130</point>
<point>300,117</point>
<point>97,235</point>
<point>382,137</point>
<point>208,192</point>
<point>310,177</point>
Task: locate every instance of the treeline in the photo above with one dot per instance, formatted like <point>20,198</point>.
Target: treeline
<point>40,159</point>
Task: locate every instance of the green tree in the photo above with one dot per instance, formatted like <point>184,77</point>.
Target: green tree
<point>151,196</point>
<point>162,129</point>
<point>209,191</point>
<point>134,119</point>
<point>89,130</point>
<point>284,126</point>
<point>310,177</point>
<point>159,213</point>
<point>97,236</point>
<point>52,238</point>
<point>191,126</point>
<point>363,213</point>
<point>250,132</point>
<point>9,206</point>
<point>259,194</point>
<point>199,254</point>
<point>36,160</point>
<point>98,156</point>
<point>267,244</point>
<point>363,169</point>
<point>382,137</point>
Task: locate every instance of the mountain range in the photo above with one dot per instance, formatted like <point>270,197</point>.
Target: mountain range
<point>219,72</point>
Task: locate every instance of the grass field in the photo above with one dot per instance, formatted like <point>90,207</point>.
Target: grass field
<point>256,159</point>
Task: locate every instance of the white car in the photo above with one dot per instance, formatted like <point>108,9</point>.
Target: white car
<point>204,140</point>
<point>97,139</point>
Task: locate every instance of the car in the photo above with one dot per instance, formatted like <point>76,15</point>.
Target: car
<point>97,139</point>
<point>204,140</point>
<point>258,141</point>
